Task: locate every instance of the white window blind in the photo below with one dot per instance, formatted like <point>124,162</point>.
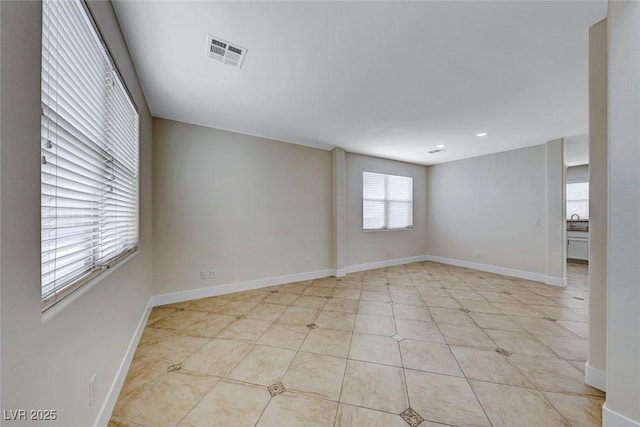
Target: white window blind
<point>387,201</point>
<point>89,163</point>
<point>578,199</point>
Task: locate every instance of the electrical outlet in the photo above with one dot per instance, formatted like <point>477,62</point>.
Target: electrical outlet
<point>212,274</point>
<point>92,390</point>
<point>388,252</point>
<point>203,275</point>
<point>476,255</point>
<point>306,261</point>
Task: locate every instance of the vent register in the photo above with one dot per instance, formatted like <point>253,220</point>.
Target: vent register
<point>225,52</point>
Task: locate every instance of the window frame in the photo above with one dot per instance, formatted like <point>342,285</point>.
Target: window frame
<point>585,200</point>
<point>386,201</point>
<point>61,297</point>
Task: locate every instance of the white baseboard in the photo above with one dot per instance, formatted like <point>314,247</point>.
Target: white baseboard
<point>596,378</point>
<point>556,281</point>
<point>385,263</point>
<point>228,288</point>
<point>613,419</point>
<point>521,274</point>
<point>112,396</point>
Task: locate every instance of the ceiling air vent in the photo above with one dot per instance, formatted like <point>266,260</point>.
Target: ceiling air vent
<point>225,52</point>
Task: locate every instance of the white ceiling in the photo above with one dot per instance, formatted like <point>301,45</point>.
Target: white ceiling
<point>389,79</point>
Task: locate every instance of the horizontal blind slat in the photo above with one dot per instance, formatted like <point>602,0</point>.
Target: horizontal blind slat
<point>89,141</point>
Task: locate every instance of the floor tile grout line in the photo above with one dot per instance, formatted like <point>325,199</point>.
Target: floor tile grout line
<point>346,365</point>
<point>297,351</point>
<point>199,400</point>
<point>404,375</point>
<point>464,374</point>
<point>273,323</point>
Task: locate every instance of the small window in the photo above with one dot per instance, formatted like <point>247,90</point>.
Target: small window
<point>578,200</point>
<point>89,155</point>
<point>387,201</point>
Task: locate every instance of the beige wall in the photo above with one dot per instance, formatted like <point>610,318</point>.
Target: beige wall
<point>248,207</point>
<point>596,363</point>
<point>556,246</point>
<point>48,364</point>
<point>481,210</point>
<point>623,268</point>
<point>373,246</point>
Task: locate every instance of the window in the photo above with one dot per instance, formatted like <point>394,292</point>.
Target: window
<point>578,199</point>
<point>89,162</point>
<point>387,201</point>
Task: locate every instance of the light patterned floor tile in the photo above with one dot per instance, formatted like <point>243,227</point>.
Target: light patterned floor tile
<point>430,357</point>
<point>298,316</point>
<point>569,348</point>
<point>444,399</point>
<point>377,325</point>
<point>167,399</point>
<point>580,411</point>
<point>466,336</point>
<point>281,298</point>
<point>115,422</point>
<point>580,329</point>
<point>296,410</point>
<point>443,302</point>
<point>487,365</point>
<point>332,342</point>
<point>315,375</point>
<point>168,346</point>
<point>267,311</point>
<point>229,403</point>
<point>509,406</point>
<point>284,336</point>
<point>421,331</point>
<point>311,302</point>
<point>142,372</point>
<point>245,329</point>
<point>180,320</point>
<point>336,320</point>
<point>374,386</point>
<point>451,316</point>
<point>375,348</point>
<point>495,321</point>
<point>342,305</point>
<point>354,416</point>
<point>210,325</point>
<point>217,357</point>
<point>375,308</point>
<point>520,343</point>
<point>553,375</point>
<point>263,365</point>
<point>411,312</point>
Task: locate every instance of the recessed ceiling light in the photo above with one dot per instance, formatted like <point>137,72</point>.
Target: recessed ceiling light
<point>482,134</point>
<point>440,146</point>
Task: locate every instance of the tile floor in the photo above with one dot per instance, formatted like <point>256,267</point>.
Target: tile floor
<point>420,344</point>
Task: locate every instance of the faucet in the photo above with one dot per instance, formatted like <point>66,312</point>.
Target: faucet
<point>571,220</point>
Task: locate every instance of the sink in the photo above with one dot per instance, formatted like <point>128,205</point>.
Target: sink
<point>581,225</point>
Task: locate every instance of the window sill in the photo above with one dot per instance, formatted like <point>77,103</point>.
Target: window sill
<point>387,229</point>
